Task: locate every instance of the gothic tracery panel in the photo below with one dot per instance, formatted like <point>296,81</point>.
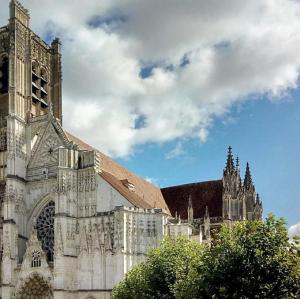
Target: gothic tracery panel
<point>45,229</point>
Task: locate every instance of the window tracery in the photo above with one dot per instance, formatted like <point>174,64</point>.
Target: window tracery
<point>36,259</point>
<point>45,229</point>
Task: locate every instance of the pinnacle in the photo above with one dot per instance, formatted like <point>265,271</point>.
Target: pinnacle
<point>230,161</point>
<point>248,179</point>
<point>237,163</point>
<point>190,203</point>
<point>206,212</point>
<point>257,199</point>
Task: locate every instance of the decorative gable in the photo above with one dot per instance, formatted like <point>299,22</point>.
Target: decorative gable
<point>44,153</point>
<point>34,257</point>
<point>34,265</point>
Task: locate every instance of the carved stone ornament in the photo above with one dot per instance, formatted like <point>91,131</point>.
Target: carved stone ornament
<point>35,277</point>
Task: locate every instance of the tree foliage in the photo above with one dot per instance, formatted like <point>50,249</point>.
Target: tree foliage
<point>163,271</point>
<point>251,259</point>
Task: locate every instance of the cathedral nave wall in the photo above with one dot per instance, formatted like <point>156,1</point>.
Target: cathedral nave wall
<point>108,197</point>
<point>96,253</point>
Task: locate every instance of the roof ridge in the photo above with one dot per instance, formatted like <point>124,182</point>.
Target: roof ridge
<point>190,184</point>
<point>111,159</point>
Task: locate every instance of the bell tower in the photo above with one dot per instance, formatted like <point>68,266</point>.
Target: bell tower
<point>30,89</point>
<point>30,70</point>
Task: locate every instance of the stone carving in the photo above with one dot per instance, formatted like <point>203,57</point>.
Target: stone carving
<point>21,38</point>
<point>20,206</point>
<point>6,244</point>
<point>20,146</point>
<point>59,245</point>
<point>3,139</point>
<point>35,277</point>
<point>4,40</point>
<point>45,151</point>
<point>39,52</point>
<point>84,248</point>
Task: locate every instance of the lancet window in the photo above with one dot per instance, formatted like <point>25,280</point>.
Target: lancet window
<point>36,259</point>
<point>39,86</point>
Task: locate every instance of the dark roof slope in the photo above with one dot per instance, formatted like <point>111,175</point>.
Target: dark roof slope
<point>202,194</point>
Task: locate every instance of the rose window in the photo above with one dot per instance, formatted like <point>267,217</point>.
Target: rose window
<point>45,229</point>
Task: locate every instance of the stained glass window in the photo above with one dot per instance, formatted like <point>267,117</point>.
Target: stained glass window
<point>45,229</point>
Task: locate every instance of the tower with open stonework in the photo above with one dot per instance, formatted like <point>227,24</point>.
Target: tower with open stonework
<point>30,80</point>
<point>73,221</point>
<point>30,86</point>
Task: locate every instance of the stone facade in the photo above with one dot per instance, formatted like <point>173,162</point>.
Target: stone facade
<point>73,221</point>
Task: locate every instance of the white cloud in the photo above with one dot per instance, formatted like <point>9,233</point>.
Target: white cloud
<point>232,50</point>
<point>153,181</point>
<point>294,230</point>
<point>176,151</point>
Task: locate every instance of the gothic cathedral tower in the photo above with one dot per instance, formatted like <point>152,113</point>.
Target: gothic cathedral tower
<point>240,200</point>
<point>30,86</point>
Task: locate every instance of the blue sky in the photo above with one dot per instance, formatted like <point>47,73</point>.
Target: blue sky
<point>264,133</point>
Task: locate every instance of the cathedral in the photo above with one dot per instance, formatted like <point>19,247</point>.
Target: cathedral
<point>73,221</point>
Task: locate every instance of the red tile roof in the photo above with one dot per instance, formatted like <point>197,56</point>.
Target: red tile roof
<point>131,196</point>
<point>145,195</point>
<point>202,194</point>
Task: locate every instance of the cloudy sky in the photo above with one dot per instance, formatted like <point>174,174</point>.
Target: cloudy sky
<point>166,86</point>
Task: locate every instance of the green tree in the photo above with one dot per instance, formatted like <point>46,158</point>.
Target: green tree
<point>253,259</point>
<point>163,272</point>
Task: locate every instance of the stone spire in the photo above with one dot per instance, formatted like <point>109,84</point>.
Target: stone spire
<point>248,179</point>
<point>237,168</point>
<point>237,163</point>
<point>230,161</point>
<point>190,210</point>
<point>258,201</point>
<point>206,223</point>
<point>206,212</point>
<point>258,208</point>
